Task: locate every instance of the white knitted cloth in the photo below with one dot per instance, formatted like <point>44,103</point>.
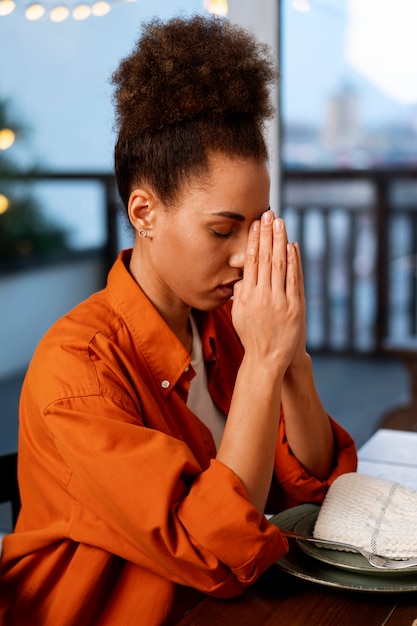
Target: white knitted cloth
<point>372,513</point>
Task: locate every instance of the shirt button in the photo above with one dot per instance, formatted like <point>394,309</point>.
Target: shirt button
<point>165,384</point>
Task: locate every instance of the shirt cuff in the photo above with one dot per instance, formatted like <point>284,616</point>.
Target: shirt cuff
<point>219,517</point>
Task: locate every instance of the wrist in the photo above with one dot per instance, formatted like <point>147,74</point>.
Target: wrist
<point>299,367</point>
<point>263,371</point>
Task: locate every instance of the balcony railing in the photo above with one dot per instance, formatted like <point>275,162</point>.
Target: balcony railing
<point>358,236</point>
<point>95,204</point>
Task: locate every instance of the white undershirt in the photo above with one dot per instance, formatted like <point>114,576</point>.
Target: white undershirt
<point>199,400</point>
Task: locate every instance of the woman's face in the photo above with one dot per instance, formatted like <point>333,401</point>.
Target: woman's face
<point>196,251</point>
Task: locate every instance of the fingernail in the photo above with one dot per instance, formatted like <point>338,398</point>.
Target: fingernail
<point>278,224</point>
<point>255,225</point>
<point>267,217</point>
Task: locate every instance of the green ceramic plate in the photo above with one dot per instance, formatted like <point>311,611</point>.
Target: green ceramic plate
<point>332,568</point>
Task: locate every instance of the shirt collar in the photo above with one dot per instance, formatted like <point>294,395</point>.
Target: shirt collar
<point>165,355</point>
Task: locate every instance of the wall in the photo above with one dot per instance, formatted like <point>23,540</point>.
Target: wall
<point>31,300</point>
<point>261,17</point>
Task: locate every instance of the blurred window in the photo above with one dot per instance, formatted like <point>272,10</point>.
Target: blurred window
<point>56,115</point>
<point>349,83</point>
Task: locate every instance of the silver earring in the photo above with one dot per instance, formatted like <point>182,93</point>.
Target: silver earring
<point>142,233</point>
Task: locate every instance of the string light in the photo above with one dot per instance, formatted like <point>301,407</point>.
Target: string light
<point>100,8</point>
<point>6,7</point>
<point>59,13</point>
<point>34,12</point>
<point>7,138</point>
<point>81,12</point>
<point>38,9</point>
<point>216,7</point>
<point>4,203</point>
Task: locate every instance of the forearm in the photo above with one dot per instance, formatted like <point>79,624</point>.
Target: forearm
<point>268,315</point>
<point>249,440</point>
<point>308,429</point>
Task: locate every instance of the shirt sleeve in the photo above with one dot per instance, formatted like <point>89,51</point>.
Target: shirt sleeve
<point>139,493</point>
<point>291,480</point>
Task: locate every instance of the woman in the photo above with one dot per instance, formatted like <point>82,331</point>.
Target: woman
<point>137,492</point>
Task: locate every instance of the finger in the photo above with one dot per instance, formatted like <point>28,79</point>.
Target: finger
<point>279,254</point>
<point>265,249</point>
<point>250,270</point>
<point>300,274</point>
<point>292,289</point>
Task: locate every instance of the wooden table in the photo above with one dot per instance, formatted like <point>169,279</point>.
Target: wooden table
<point>280,599</point>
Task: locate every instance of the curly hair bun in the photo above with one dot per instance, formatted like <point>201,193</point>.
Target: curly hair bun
<point>188,69</point>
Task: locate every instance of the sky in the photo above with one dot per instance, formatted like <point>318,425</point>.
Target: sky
<point>57,80</point>
<point>390,61</point>
<point>56,76</point>
<point>369,44</point>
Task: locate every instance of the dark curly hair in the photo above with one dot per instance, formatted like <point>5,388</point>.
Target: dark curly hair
<point>191,86</point>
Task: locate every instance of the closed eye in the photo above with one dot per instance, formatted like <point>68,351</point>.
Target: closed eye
<point>215,233</point>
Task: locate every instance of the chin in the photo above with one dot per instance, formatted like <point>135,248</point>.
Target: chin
<point>213,305</point>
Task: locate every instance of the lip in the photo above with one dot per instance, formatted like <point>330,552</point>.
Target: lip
<point>227,288</point>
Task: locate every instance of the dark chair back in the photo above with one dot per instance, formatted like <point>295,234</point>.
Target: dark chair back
<point>9,488</point>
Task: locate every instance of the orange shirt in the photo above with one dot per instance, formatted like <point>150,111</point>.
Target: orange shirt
<point>124,508</point>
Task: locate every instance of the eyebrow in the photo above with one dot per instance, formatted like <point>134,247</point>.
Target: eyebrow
<point>231,215</point>
<point>236,216</point>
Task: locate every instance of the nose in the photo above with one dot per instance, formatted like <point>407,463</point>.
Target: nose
<point>238,254</point>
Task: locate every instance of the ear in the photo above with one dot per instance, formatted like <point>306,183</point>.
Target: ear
<point>141,208</point>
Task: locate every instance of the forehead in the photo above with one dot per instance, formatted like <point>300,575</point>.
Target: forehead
<point>230,181</point>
